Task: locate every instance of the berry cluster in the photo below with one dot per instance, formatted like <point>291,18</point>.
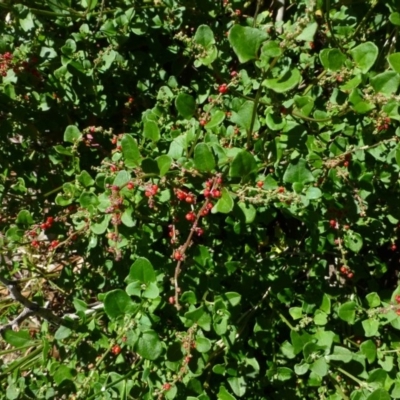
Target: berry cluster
<point>345,270</point>
<point>5,63</point>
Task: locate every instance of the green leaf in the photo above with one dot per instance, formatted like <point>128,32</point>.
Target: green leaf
<point>394,61</point>
<point>298,172</point>
<point>368,349</point>
<point>151,291</point>
<point>149,345</point>
<point>203,158</point>
<point>117,303</point>
<point>151,131</point>
<point>387,82</point>
<point>99,227</point>
<point>313,193</point>
<point>242,165</point>
<point>379,394</point>
<point>186,105</point>
<point>332,59</point>
<point>164,164</point>
<point>130,151</point>
<point>88,199</point>
<point>371,327</point>
<point>353,241</point>
<point>142,271</point>
<point>17,339</point>
<point>244,115</point>
<point>62,333</point>
<point>320,318</point>
<point>24,218</point>
<point>216,119</point>
<point>63,373</point>
<point>72,134</point>
<point>271,49</point>
<point>203,344</point>
<point>85,179</point>
<point>246,41</point>
<point>249,212</point>
<point>320,367</point>
<point>225,202</point>
<point>394,18</point>
<point>347,312</point>
<point>204,36</point>
<point>341,354</point>
<point>288,81</point>
<point>238,385</point>
<point>223,394</point>
<point>122,178</point>
<point>233,298</point>
<point>373,299</point>
<point>308,32</point>
<point>365,55</point>
<point>199,316</point>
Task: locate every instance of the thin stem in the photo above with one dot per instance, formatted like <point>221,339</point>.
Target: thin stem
<point>364,20</point>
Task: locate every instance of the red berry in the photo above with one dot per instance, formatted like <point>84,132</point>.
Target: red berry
<point>199,231</point>
<point>393,247</point>
<point>54,244</point>
<point>223,88</point>
<point>397,298</point>
<point>346,163</point>
<point>49,220</point>
<point>113,168</point>
<point>343,269</point>
<point>398,311</point>
<point>148,193</point>
<point>35,243</point>
<point>332,223</point>
<point>206,192</point>
<point>210,206</point>
<point>115,188</point>
<point>281,189</point>
<point>189,199</point>
<point>130,100</point>
<point>233,74</point>
<point>116,349</point>
<point>350,275</point>
<point>45,225</point>
<point>238,13</point>
<point>171,300</point>
<point>260,184</point>
<point>202,122</point>
<point>190,216</point>
<point>219,181</point>
<point>166,386</point>
<point>215,193</point>
<point>204,212</point>
<point>154,189</point>
<point>130,185</point>
<point>178,255</point>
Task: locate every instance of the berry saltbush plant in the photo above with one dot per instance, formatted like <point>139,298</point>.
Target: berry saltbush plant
<point>199,199</point>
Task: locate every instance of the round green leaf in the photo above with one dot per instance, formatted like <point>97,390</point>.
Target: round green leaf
<point>148,345</point>
<point>203,158</point>
<point>130,151</point>
<point>225,202</point>
<point>297,172</point>
<point>85,179</point>
<point>87,199</point>
<point>394,18</point>
<point>246,41</point>
<point>151,131</point>
<point>387,82</point>
<point>17,338</point>
<point>288,81</point>
<point>117,303</point>
<point>365,55</point>
<point>332,59</point>
<point>164,163</point>
<point>72,134</point>
<point>24,218</point>
<point>142,271</point>
<point>394,61</point>
<point>371,327</point>
<point>203,344</point>
<point>186,105</point>
<point>216,119</point>
<point>244,116</point>
<point>368,349</point>
<point>204,36</point>
<point>353,241</point>
<point>379,394</point>
<point>242,165</point>
<point>347,312</point>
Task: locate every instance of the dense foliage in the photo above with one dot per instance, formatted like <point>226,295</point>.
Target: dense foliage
<point>199,199</point>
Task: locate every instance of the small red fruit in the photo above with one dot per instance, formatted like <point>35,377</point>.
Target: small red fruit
<point>215,193</point>
<point>332,223</point>
<point>238,13</point>
<point>166,386</point>
<point>189,199</point>
<point>178,255</point>
<point>130,185</point>
<point>116,349</point>
<point>54,244</point>
<point>202,122</point>
<point>113,168</point>
<point>346,163</point>
<point>260,184</point>
<point>343,269</point>
<point>350,275</point>
<point>35,243</point>
<point>171,300</point>
<point>190,216</point>
<point>233,74</point>
<point>206,192</point>
<point>49,220</point>
<point>281,189</point>
<point>398,311</point>
<point>223,88</point>
<point>199,231</point>
<point>45,225</point>
<point>393,247</point>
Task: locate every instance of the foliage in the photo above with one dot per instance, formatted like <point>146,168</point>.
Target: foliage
<point>199,199</point>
